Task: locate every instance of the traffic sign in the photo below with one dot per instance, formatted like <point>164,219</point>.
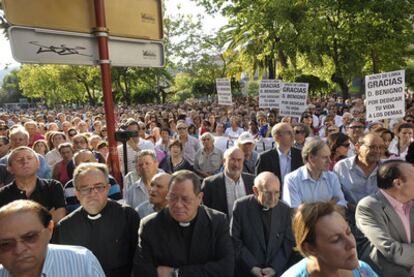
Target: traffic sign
<point>124,18</point>
<point>31,45</point>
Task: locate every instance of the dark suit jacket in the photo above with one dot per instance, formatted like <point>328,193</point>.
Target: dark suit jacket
<point>249,240</point>
<point>387,250</point>
<point>211,251</point>
<point>214,189</point>
<point>269,161</point>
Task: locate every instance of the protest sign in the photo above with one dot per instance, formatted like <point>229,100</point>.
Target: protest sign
<point>385,95</point>
<point>293,99</point>
<point>224,92</point>
<point>269,94</point>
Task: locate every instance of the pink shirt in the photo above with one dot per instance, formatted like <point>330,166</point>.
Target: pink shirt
<point>403,211</point>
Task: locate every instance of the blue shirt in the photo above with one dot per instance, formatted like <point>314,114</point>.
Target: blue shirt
<point>355,184</point>
<point>285,163</point>
<point>67,261</point>
<point>299,270</point>
<point>299,187</point>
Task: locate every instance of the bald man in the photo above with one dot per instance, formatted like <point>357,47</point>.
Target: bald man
<point>261,230</point>
<point>157,195</point>
<point>282,159</point>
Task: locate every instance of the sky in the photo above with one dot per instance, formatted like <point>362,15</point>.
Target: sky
<point>211,24</point>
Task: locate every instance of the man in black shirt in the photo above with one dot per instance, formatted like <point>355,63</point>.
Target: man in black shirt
<point>261,230</point>
<point>184,239</point>
<point>105,227</point>
<point>23,163</point>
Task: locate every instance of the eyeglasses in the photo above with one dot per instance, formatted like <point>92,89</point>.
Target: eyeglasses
<point>72,134</point>
<point>331,130</point>
<point>175,199</point>
<point>297,132</point>
<point>356,127</point>
<point>88,190</point>
<point>182,128</point>
<point>27,239</point>
<point>3,128</point>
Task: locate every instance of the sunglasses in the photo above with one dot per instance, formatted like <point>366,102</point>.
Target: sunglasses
<point>3,128</point>
<point>182,128</point>
<point>299,132</point>
<point>345,145</point>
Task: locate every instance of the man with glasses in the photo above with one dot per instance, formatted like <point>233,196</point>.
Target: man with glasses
<point>355,131</point>
<point>284,158</point>
<point>358,174</point>
<point>23,163</point>
<point>313,182</point>
<point>25,230</point>
<point>261,230</point>
<point>186,238</point>
<point>103,226</point>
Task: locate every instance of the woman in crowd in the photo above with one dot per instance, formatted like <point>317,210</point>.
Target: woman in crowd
<point>301,131</point>
<point>339,145</point>
<point>40,147</point>
<point>175,160</point>
<point>324,238</point>
<point>387,136</point>
<point>405,133</point>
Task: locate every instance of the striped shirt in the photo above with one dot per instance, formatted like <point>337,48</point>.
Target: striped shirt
<point>67,261</point>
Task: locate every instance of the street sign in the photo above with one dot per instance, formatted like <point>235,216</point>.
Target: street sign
<point>30,45</point>
<point>124,18</point>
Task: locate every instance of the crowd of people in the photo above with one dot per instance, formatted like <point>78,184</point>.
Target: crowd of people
<point>208,190</point>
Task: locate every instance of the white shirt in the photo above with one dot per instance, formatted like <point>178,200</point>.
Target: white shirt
<point>234,191</point>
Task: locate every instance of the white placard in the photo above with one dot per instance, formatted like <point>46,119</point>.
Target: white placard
<point>269,94</point>
<point>224,92</point>
<point>293,99</point>
<point>385,95</point>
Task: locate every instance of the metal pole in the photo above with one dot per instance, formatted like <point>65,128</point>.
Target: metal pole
<point>101,33</point>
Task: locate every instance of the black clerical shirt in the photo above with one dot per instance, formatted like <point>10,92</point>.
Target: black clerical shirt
<point>111,235</point>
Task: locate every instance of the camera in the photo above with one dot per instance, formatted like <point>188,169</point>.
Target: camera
<point>124,136</point>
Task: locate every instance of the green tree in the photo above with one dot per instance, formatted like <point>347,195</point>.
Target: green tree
<point>10,91</point>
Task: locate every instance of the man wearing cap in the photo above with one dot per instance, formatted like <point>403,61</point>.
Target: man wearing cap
<point>247,143</point>
<point>134,145</point>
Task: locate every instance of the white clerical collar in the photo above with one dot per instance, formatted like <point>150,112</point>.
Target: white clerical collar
<point>94,217</point>
<point>184,224</point>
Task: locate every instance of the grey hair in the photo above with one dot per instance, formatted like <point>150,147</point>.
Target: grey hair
<point>86,167</point>
<point>207,134</point>
<point>19,149</point>
<point>146,152</point>
<point>311,148</point>
<point>18,130</point>
<point>230,151</point>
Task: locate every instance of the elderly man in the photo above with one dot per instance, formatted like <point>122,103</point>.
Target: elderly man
<point>207,160</point>
<point>313,182</point>
<point>386,218</point>
<point>190,144</point>
<point>103,226</point>
<point>25,230</point>
<point>358,174</point>
<point>283,159</point>
<point>185,239</point>
<point>223,189</point>
<point>23,163</point>
<point>157,195</point>
<point>146,167</point>
<point>246,143</point>
<point>134,145</point>
<point>261,230</point>
<point>20,137</point>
